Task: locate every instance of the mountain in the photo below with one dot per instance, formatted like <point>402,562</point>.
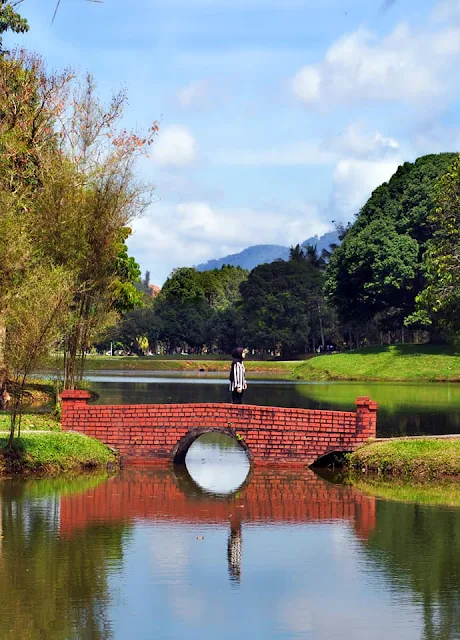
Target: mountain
<point>263,253</point>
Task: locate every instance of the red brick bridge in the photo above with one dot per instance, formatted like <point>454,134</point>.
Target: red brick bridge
<point>270,435</point>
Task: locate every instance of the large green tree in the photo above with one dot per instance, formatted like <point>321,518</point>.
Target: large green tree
<point>280,303</point>
<point>192,305</point>
<point>375,274</point>
<point>440,299</point>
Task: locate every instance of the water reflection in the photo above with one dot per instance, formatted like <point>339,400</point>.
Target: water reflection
<point>217,463</point>
<point>288,555</point>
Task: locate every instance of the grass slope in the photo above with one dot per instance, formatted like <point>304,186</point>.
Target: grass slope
<point>418,457</point>
<point>397,363</point>
<point>52,452</point>
<point>32,422</point>
<point>182,363</point>
<point>409,363</point>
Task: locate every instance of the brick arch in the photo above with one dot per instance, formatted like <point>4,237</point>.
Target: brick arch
<point>272,435</point>
<point>180,450</point>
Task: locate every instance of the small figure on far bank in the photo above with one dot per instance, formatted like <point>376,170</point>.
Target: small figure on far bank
<point>238,376</point>
<point>5,399</point>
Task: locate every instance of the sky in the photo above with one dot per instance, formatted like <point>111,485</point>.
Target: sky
<point>277,117</point>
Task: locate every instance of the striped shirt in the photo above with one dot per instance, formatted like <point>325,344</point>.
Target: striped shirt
<point>239,378</point>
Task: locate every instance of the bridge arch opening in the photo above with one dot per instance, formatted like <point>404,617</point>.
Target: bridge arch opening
<point>216,460</point>
<point>331,460</point>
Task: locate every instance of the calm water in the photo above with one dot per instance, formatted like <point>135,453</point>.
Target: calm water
<point>207,552</point>
<point>405,408</point>
<point>218,550</point>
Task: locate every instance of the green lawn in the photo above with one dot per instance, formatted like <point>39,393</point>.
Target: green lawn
<point>32,422</point>
<point>182,363</point>
<point>53,452</point>
<point>396,363</point>
<point>418,457</point>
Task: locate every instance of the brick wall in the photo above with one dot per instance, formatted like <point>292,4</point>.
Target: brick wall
<point>270,435</point>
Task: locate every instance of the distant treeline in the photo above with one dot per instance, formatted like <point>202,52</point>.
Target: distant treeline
<point>393,277</point>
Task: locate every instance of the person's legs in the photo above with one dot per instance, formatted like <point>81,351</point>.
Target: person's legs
<point>237,398</point>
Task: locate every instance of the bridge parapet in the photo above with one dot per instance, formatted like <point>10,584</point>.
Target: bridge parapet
<point>270,435</point>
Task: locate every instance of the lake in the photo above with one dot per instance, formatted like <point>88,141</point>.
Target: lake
<point>216,549</point>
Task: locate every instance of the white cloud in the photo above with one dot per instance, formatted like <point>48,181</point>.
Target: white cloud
<point>355,142</point>
<point>193,95</point>
<point>188,233</point>
<point>175,147</point>
<point>310,152</point>
<point>403,66</point>
<point>354,181</point>
<point>447,11</point>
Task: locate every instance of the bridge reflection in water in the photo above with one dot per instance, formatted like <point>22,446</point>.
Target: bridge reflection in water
<point>267,496</point>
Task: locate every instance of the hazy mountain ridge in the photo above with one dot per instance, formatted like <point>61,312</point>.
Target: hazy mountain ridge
<point>263,253</point>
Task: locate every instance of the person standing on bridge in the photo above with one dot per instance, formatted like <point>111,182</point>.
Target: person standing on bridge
<point>238,376</point>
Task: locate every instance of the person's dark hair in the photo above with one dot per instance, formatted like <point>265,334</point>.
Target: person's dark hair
<point>237,354</point>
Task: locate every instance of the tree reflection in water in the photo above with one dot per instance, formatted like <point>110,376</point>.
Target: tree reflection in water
<point>62,553</point>
<point>419,547</point>
<point>52,586</point>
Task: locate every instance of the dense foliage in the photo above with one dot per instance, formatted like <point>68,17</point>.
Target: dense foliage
<point>67,196</point>
<point>440,300</point>
<point>399,249</point>
<point>375,274</point>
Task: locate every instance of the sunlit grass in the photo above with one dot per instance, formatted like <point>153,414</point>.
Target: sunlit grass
<point>418,457</point>
<point>32,422</point>
<point>52,453</point>
<point>397,362</point>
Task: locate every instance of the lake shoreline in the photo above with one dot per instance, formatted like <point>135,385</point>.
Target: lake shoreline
<point>50,453</point>
<point>395,363</point>
<point>419,458</point>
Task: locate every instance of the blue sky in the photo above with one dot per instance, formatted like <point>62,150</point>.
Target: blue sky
<point>277,117</point>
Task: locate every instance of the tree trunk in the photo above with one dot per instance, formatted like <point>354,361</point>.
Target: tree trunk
<point>321,326</point>
<point>2,341</point>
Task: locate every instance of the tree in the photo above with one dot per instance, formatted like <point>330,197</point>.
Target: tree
<point>90,187</point>
<point>279,306</point>
<point>190,307</point>
<point>375,274</point>
<point>440,298</point>
<point>10,20</point>
<point>35,319</point>
<point>30,100</point>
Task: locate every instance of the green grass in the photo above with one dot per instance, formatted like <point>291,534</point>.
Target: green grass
<point>445,493</point>
<point>53,453</point>
<point>409,363</point>
<point>419,457</point>
<point>32,422</point>
<point>182,363</point>
<point>415,363</point>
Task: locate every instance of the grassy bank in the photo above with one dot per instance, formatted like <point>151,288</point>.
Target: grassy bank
<point>403,363</point>
<point>409,363</point>
<point>183,363</point>
<point>52,452</point>
<point>32,422</point>
<point>422,458</point>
